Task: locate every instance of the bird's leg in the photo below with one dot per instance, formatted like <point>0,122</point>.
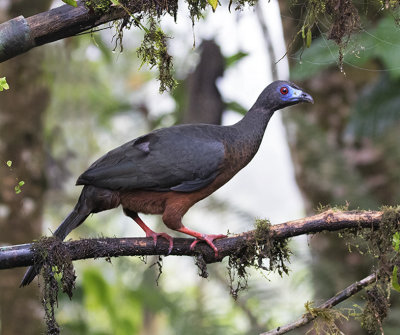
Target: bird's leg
<point>150,233</point>
<point>208,238</point>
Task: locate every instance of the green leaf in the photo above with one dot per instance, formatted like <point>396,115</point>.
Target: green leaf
<point>232,60</point>
<point>376,109</point>
<point>382,43</point>
<point>395,281</point>
<point>396,241</point>
<point>21,183</point>
<point>309,38</point>
<point>3,84</point>
<point>72,3</point>
<point>213,3</point>
<point>236,107</point>
<point>9,163</point>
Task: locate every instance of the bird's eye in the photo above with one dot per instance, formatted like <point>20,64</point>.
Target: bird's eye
<point>284,90</point>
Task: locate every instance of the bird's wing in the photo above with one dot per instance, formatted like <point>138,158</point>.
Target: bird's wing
<point>178,158</point>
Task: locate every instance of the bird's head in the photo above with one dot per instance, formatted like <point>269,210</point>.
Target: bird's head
<point>281,94</point>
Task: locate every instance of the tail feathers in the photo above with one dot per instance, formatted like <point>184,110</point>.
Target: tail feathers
<point>73,220</point>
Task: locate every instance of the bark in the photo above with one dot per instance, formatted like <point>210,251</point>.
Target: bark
<point>21,255</point>
<point>21,141</point>
<point>21,34</point>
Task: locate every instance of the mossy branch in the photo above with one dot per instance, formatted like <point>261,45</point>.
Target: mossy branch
<point>264,248</point>
<point>331,220</point>
<point>325,307</point>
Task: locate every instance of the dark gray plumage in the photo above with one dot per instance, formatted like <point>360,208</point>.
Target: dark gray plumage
<point>168,170</point>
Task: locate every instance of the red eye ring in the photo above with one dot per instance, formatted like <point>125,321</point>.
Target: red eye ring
<point>284,90</point>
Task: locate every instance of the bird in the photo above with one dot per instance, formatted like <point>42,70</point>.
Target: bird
<point>168,170</point>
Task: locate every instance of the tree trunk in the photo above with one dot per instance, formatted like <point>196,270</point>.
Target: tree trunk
<point>21,137</point>
<point>333,170</point>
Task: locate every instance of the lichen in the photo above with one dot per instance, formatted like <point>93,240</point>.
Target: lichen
<point>377,307</point>
<point>201,265</point>
<point>153,51</point>
<point>98,6</point>
<point>51,257</point>
<point>378,243</point>
<point>262,252</point>
<point>325,320</point>
<point>343,21</point>
<point>159,264</point>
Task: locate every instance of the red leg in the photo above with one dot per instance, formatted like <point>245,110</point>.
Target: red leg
<point>208,238</point>
<point>148,231</point>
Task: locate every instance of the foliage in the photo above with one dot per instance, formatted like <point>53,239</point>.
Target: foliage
<point>381,43</point>
<point>396,247</point>
<point>3,84</point>
<point>108,304</point>
<point>72,3</point>
<point>20,183</point>
<point>375,114</point>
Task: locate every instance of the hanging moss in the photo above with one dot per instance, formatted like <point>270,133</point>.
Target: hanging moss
<point>153,51</point>
<point>378,243</point>
<point>51,257</point>
<point>377,307</point>
<point>325,320</point>
<point>263,252</point>
<point>98,6</point>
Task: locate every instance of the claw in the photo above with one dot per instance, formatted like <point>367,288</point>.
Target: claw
<point>155,236</point>
<point>209,240</point>
<point>148,231</point>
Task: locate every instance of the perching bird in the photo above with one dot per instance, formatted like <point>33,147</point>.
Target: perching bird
<point>168,170</point>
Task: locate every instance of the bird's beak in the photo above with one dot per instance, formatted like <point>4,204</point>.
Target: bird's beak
<point>306,97</point>
<point>300,96</point>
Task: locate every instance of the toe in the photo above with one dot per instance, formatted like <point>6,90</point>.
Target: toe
<point>209,240</point>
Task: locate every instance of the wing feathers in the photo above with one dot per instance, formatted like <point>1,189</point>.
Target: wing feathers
<point>182,159</point>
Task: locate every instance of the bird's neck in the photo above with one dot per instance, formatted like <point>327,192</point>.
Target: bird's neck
<point>248,134</point>
<point>252,126</point>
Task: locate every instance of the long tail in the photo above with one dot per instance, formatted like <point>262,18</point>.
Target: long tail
<point>73,220</point>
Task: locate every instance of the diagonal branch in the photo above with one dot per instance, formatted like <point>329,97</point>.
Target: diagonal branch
<point>21,255</point>
<point>338,298</point>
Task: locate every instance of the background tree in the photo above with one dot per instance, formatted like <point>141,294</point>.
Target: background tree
<point>22,111</point>
<point>344,149</point>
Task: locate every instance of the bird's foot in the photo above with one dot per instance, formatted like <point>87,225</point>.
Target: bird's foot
<point>148,231</point>
<point>155,236</point>
<point>208,238</point>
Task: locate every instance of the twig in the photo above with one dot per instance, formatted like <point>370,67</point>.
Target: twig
<point>338,298</point>
<point>21,255</point>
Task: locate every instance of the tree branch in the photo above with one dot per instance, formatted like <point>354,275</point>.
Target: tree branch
<point>19,35</point>
<point>21,255</point>
<point>338,298</point>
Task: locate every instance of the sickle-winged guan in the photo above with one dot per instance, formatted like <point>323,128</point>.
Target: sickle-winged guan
<point>168,170</point>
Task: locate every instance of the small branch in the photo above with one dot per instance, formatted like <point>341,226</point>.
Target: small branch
<point>338,298</point>
<point>21,255</point>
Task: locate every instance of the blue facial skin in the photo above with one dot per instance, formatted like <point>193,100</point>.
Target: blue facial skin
<point>294,94</point>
